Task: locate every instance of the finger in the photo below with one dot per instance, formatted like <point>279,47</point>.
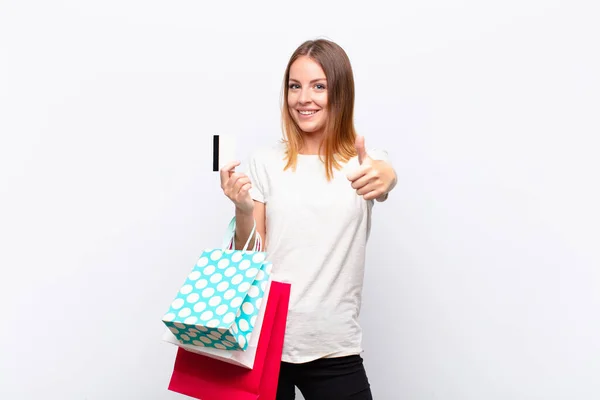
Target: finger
<point>241,182</point>
<point>372,186</point>
<point>360,149</point>
<point>243,192</point>
<point>246,188</point>
<point>233,178</point>
<point>226,171</point>
<point>358,173</point>
<point>362,181</point>
<point>372,195</point>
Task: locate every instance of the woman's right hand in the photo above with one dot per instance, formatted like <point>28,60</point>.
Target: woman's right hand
<point>236,186</point>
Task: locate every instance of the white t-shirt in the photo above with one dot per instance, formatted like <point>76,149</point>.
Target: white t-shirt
<point>316,234</point>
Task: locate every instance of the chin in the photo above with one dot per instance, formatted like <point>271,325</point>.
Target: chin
<point>310,128</point>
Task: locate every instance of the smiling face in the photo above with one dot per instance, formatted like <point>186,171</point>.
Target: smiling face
<point>307,95</point>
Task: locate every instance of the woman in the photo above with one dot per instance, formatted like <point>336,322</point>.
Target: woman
<point>311,197</point>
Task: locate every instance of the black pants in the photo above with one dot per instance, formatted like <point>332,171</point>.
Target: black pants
<point>342,378</point>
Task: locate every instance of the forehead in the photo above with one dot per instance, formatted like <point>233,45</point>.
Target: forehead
<point>305,68</point>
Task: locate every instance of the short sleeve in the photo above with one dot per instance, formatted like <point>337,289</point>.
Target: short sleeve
<point>256,171</point>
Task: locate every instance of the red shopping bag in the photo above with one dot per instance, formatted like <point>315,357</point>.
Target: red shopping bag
<point>206,378</point>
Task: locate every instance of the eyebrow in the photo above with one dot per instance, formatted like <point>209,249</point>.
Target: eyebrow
<point>313,81</point>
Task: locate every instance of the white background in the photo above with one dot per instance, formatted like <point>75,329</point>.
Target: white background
<point>483,270</point>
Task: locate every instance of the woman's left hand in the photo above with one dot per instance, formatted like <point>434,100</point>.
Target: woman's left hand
<point>374,179</point>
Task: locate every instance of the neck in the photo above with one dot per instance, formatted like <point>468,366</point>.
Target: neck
<point>311,143</point>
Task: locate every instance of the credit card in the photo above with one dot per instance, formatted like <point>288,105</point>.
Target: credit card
<point>223,150</point>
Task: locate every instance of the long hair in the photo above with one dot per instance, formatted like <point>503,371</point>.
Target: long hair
<point>340,135</point>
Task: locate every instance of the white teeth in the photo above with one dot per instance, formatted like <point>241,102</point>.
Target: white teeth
<point>307,112</point>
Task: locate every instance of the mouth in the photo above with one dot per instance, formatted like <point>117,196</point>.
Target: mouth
<point>307,113</point>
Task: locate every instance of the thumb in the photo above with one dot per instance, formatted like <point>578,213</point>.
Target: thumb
<point>360,149</point>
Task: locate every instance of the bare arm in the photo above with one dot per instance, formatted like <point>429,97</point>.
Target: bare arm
<point>244,223</point>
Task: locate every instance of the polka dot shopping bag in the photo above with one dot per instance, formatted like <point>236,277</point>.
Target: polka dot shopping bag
<point>205,378</point>
<point>219,304</point>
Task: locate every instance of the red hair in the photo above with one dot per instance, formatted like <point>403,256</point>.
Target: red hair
<point>339,140</point>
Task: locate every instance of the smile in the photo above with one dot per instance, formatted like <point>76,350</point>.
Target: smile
<point>308,112</point>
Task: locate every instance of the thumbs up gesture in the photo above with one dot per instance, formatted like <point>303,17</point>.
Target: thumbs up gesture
<point>374,179</point>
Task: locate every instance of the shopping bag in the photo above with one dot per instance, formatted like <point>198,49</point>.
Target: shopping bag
<point>243,359</point>
<point>218,304</point>
<point>206,378</point>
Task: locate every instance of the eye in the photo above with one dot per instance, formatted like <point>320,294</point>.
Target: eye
<point>294,86</point>
<point>320,86</point>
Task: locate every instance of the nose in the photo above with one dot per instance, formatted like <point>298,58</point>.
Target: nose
<point>304,96</point>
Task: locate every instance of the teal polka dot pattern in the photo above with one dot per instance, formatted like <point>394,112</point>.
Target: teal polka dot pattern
<point>219,302</point>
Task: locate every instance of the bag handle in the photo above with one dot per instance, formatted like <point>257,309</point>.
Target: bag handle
<point>230,237</point>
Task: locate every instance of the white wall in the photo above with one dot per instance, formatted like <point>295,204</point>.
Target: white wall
<point>483,278</point>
